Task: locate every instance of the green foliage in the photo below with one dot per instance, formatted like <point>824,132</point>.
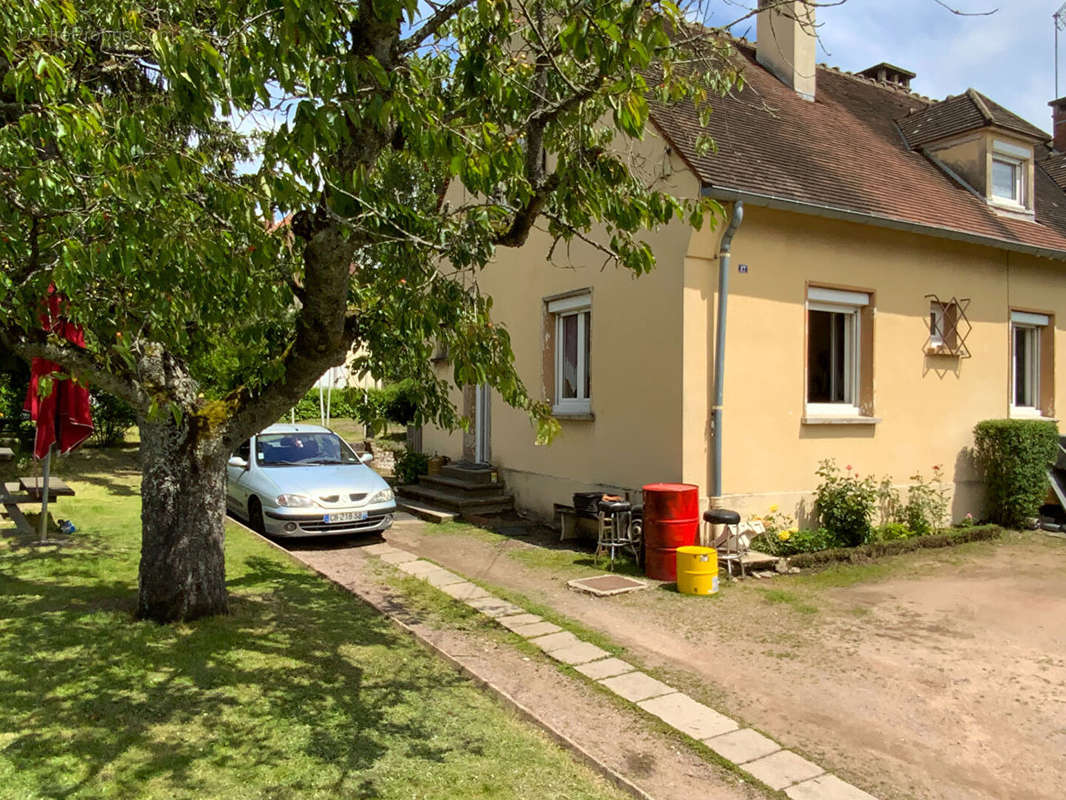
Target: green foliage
<point>926,510</point>
<point>790,542</point>
<point>410,466</point>
<point>1015,455</point>
<point>14,383</point>
<point>112,417</point>
<point>890,532</point>
<point>845,503</point>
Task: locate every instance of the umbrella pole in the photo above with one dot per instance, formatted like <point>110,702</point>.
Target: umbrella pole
<point>44,494</point>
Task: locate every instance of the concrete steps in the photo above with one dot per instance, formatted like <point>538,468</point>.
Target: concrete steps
<point>458,489</point>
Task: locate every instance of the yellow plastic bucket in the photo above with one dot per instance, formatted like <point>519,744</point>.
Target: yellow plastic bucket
<point>697,570</point>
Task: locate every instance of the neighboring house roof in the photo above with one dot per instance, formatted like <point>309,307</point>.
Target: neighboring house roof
<point>845,155</point>
<point>959,114</point>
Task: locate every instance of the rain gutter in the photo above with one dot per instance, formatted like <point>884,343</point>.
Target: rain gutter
<point>724,251</point>
<point>863,218</point>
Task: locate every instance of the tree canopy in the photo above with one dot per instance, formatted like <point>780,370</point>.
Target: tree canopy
<point>233,193</point>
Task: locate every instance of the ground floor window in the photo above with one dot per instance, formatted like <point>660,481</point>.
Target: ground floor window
<point>1031,377</point>
<point>836,352</point>
<point>572,324</point>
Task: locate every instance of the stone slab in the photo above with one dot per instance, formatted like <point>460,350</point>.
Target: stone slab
<point>518,620</point>
<point>782,769</point>
<point>605,668</point>
<point>464,591</point>
<point>827,787</point>
<point>418,567</point>
<point>493,606</point>
<point>637,686</point>
<point>555,641</point>
<point>379,549</point>
<point>398,557</point>
<point>688,716</point>
<point>580,653</point>
<point>441,577</point>
<point>536,629</point>
<point>742,746</point>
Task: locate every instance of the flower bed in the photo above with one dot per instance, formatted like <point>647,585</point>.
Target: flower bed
<point>865,552</point>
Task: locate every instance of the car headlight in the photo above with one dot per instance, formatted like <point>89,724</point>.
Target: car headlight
<point>295,500</point>
<point>383,496</point>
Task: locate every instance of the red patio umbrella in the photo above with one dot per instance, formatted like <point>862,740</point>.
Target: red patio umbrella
<point>63,415</point>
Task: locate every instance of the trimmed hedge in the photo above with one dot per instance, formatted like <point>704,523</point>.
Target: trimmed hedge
<point>1015,455</point>
<point>865,552</point>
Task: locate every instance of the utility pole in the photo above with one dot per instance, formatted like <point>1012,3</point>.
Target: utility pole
<point>1059,18</point>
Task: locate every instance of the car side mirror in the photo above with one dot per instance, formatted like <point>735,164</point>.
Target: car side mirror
<point>366,458</point>
<point>237,461</point>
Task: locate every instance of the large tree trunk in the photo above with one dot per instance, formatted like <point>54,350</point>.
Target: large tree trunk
<point>183,507</point>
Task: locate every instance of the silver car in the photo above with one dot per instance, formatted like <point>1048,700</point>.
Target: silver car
<point>304,480</point>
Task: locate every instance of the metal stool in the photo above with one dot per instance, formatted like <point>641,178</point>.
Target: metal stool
<point>731,546</point>
<point>616,529</point>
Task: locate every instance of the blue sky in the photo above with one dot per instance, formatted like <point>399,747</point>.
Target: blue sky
<point>1007,56</point>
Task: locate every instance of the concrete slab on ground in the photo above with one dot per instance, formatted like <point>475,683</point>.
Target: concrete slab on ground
<point>398,557</point>
<point>379,549</point>
<point>605,668</point>
<point>782,769</point>
<point>827,787</point>
<point>493,606</point>
<point>535,629</point>
<point>742,746</point>
<point>418,567</point>
<point>555,641</point>
<point>464,591</point>
<point>441,577</point>
<point>688,716</point>
<point>580,653</point>
<point>519,620</point>
<point>636,686</point>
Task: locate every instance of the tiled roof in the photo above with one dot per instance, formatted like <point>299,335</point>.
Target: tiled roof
<point>965,112</point>
<point>845,153</point>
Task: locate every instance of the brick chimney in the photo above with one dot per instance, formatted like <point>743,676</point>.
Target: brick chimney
<point>1058,123</point>
<point>786,43</point>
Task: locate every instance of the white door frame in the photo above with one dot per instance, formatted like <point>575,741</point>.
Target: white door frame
<point>482,424</point>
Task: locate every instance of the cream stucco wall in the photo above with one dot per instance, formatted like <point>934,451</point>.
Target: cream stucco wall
<point>637,355</point>
<point>927,405</point>
<point>652,352</point>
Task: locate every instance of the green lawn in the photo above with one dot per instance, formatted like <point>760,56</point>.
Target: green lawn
<point>302,692</point>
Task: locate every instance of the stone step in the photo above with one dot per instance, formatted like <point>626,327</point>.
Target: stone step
<point>426,511</point>
<point>456,501</point>
<point>444,483</point>
<point>471,473</point>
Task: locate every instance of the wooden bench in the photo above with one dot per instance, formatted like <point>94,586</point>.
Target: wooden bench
<point>34,487</point>
<point>7,454</point>
<point>12,511</point>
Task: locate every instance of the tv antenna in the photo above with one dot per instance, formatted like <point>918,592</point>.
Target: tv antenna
<point>1059,18</point>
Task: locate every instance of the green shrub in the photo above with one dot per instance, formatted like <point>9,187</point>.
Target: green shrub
<point>890,532</point>
<point>112,417</point>
<point>1015,455</point>
<point>411,465</point>
<point>787,543</point>
<point>845,503</point>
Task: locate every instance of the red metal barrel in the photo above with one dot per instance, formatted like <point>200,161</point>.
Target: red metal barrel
<point>671,520</point>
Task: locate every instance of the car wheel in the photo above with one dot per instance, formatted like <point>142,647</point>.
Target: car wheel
<point>255,515</point>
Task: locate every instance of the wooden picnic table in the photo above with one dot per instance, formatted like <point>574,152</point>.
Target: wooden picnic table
<point>7,454</point>
<point>34,487</point>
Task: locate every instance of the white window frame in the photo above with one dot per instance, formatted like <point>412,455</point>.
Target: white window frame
<point>1033,326</point>
<point>850,303</point>
<point>1019,182</point>
<point>937,323</point>
<point>1018,158</point>
<point>562,308</point>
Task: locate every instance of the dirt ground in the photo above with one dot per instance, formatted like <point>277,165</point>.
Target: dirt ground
<point>938,674</point>
<point>658,763</point>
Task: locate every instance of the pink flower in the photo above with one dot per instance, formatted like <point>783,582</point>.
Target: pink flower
<point>848,467</point>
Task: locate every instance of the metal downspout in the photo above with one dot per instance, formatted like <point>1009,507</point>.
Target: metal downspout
<point>719,345</point>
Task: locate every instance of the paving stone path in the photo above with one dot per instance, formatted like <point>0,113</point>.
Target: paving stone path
<point>756,754</point>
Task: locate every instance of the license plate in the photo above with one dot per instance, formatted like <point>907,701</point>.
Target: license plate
<point>345,516</point>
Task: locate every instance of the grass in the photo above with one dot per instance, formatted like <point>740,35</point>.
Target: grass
<point>301,692</point>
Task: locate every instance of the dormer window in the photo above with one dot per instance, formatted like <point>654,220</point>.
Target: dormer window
<point>1008,181</point>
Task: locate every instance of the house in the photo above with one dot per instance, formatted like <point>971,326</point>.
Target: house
<point>896,276</point>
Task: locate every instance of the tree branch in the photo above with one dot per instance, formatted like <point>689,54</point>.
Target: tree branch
<point>442,16</point>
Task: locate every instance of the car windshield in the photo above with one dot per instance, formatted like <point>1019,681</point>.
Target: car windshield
<point>301,449</point>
